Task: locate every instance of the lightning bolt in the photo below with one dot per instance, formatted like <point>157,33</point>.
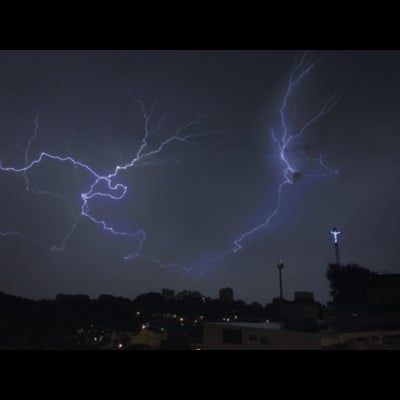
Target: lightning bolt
<point>284,138</point>
<point>116,191</point>
<point>31,186</point>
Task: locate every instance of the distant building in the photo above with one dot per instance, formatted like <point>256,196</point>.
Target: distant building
<point>361,340</point>
<point>256,336</point>
<point>302,314</point>
<point>188,294</point>
<point>226,295</point>
<point>168,294</point>
<point>303,297</point>
<point>272,336</point>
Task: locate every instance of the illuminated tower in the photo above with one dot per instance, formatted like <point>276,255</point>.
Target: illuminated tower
<point>280,267</point>
<point>335,234</point>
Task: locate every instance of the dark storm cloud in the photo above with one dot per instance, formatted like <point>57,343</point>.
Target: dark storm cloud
<point>195,206</point>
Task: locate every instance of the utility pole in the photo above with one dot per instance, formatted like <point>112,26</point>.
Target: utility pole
<point>280,266</point>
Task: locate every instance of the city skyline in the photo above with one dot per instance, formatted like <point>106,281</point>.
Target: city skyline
<point>216,144</point>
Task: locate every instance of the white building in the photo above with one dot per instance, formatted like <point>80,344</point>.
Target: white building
<point>271,336</point>
<point>254,336</point>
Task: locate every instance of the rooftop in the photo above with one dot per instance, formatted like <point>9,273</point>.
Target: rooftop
<point>254,325</point>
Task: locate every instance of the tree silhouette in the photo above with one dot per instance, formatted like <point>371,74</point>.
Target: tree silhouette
<point>349,284</point>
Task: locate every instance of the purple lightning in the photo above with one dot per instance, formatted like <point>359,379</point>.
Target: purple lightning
<point>284,138</point>
<point>144,156</point>
<point>31,186</point>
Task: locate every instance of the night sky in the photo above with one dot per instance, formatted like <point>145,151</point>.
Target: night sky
<point>194,198</point>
